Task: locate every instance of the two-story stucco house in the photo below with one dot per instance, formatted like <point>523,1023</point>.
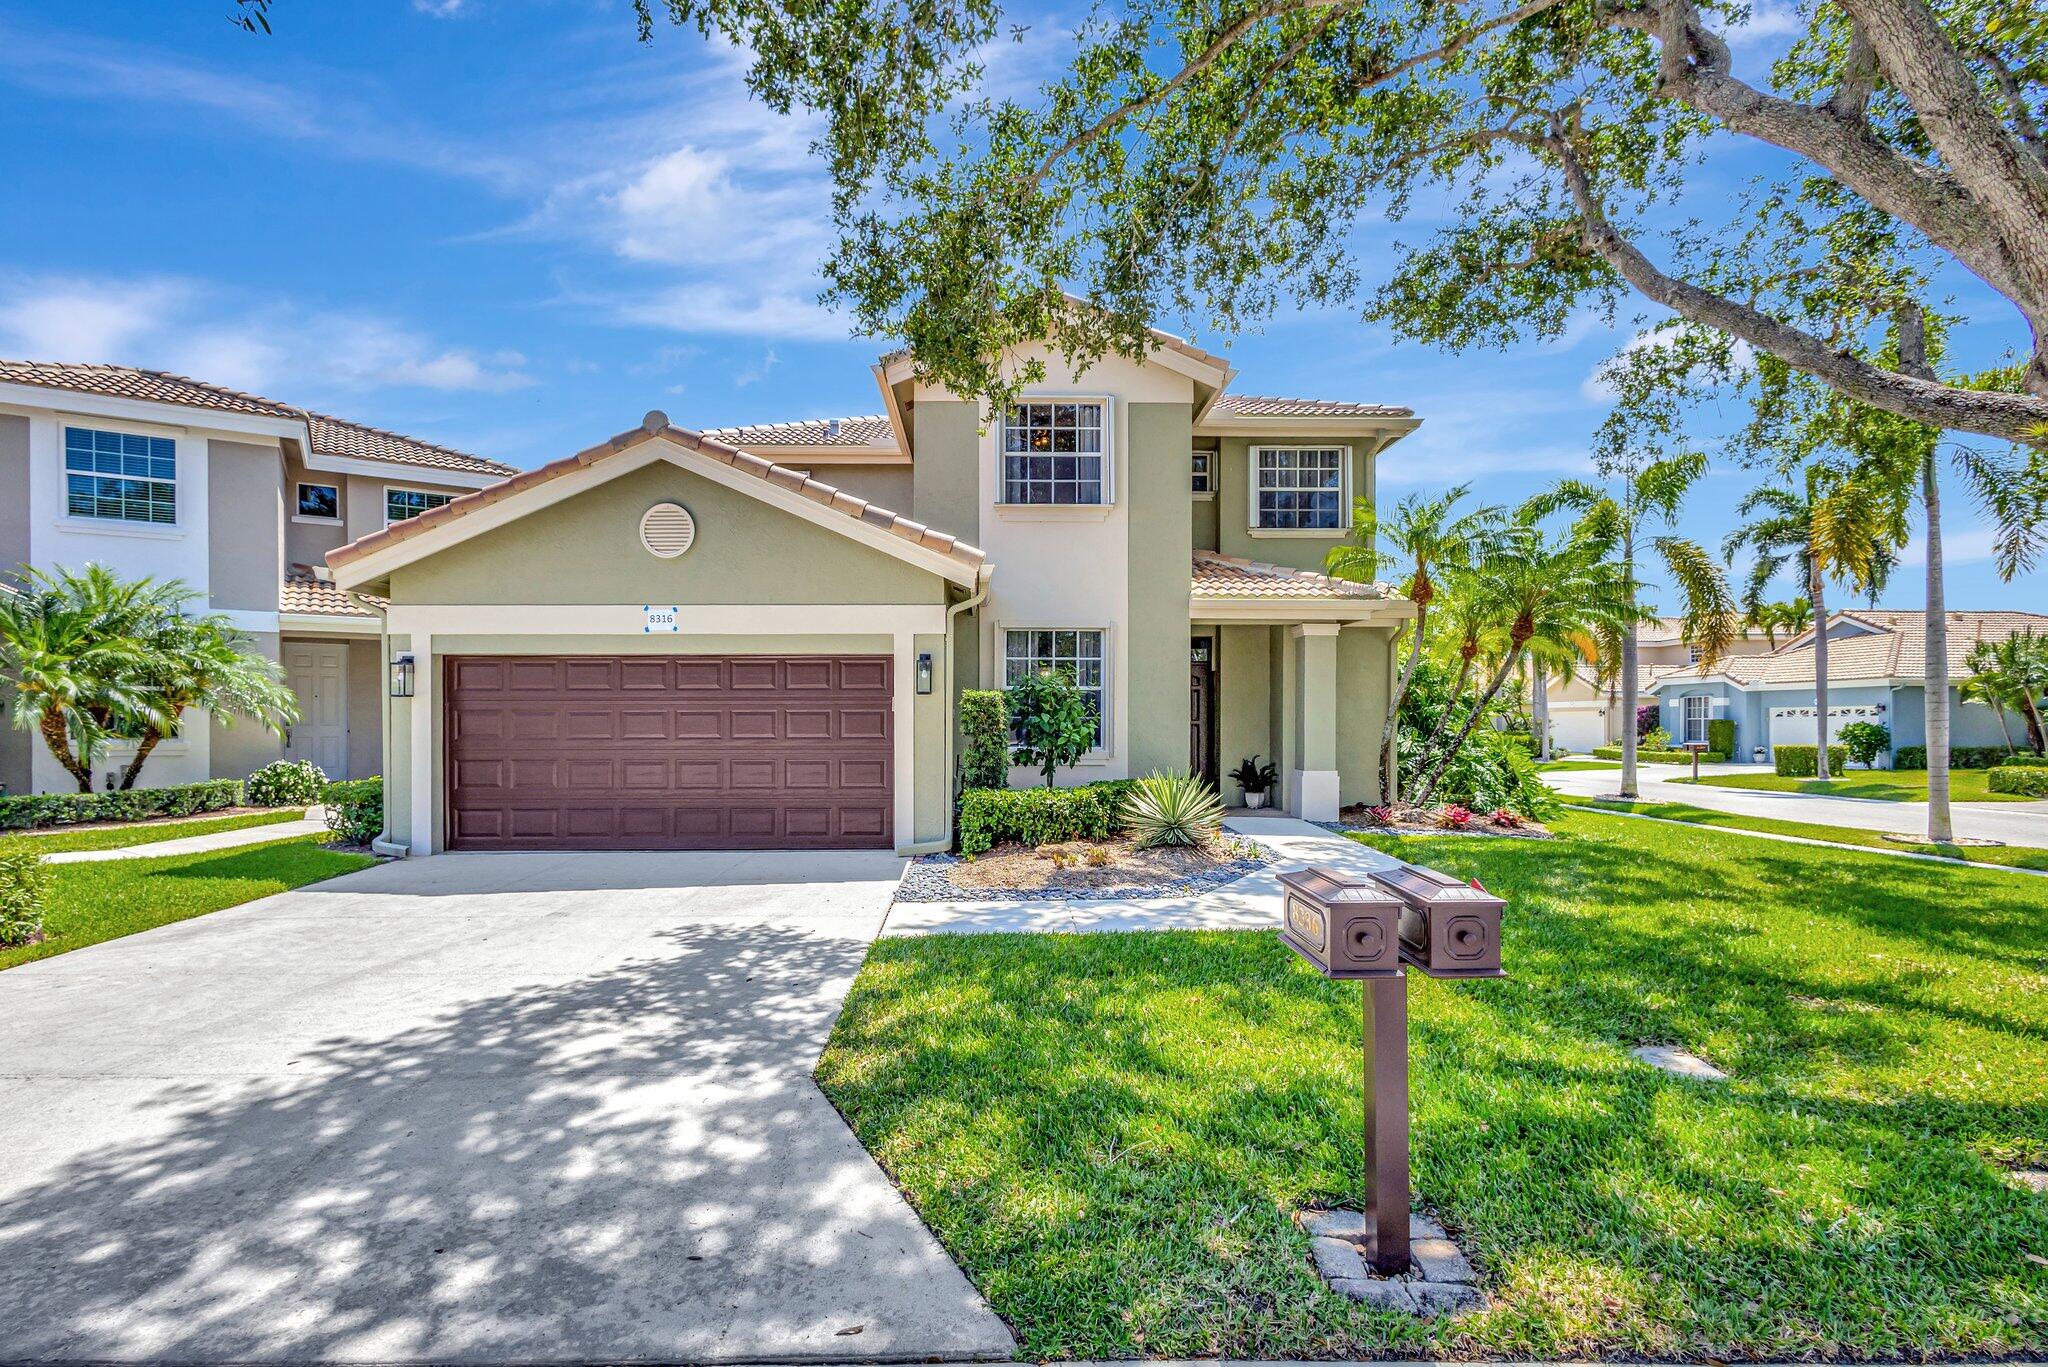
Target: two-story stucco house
<point>755,636</point>
<point>241,498</point>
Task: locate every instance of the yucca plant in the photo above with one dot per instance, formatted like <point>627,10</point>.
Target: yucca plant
<point>1172,809</point>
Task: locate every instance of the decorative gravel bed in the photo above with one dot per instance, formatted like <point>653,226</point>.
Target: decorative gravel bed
<point>930,879</point>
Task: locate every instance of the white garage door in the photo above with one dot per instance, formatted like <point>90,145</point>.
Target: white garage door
<point>1578,730</point>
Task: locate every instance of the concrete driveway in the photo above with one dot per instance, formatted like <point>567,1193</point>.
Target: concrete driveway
<point>464,1109</point>
<point>2015,823</point>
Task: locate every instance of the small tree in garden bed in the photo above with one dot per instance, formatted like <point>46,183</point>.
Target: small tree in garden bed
<point>1054,725</point>
<point>1865,741</point>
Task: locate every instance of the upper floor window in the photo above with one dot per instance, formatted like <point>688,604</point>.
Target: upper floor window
<point>402,504</point>
<point>1053,452</point>
<point>123,476</point>
<point>321,501</point>
<point>1203,476</point>
<point>1693,655</point>
<point>1077,653</point>
<point>1298,488</point>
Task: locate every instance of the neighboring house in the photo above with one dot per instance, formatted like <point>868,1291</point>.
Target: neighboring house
<point>723,640</point>
<point>1585,710</point>
<point>241,497</point>
<point>1876,673</point>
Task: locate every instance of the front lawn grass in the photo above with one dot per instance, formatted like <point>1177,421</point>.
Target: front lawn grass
<point>147,832</point>
<point>1111,1131</point>
<point>2013,856</point>
<point>1884,785</point>
<point>1566,766</point>
<point>91,902</point>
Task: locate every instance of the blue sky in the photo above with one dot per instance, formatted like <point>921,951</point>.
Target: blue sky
<point>507,226</point>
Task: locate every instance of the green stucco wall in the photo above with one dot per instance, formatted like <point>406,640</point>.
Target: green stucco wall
<point>1244,714</point>
<point>1233,502</point>
<point>587,549</point>
<point>1160,535</point>
<point>1365,663</point>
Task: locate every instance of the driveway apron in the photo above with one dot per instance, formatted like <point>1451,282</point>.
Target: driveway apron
<point>475,1108</point>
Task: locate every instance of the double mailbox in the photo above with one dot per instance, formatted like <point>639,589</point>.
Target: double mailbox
<point>1367,928</point>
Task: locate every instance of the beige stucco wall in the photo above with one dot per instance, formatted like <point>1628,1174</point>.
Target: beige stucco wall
<point>240,749</point>
<point>366,690</point>
<point>1156,634</point>
<point>245,510</point>
<point>1233,502</point>
<point>587,549</point>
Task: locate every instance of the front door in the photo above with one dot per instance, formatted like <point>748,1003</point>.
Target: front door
<point>1202,710</point>
<point>317,672</point>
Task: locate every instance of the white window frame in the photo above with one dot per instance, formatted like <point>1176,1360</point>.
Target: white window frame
<point>391,489</point>
<point>122,525</point>
<point>1336,533</point>
<point>1106,722</point>
<point>1109,454</point>
<point>298,486</point>
<point>1686,719</point>
<point>1205,490</point>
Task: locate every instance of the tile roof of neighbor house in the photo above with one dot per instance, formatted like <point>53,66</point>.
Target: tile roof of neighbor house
<point>1262,406</point>
<point>656,424</point>
<point>872,429</point>
<point>304,591</point>
<point>1895,649</point>
<point>1229,576</point>
<point>329,436</point>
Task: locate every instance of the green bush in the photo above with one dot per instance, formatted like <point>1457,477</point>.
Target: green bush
<point>985,739</point>
<point>1865,741</point>
<point>1524,739</point>
<point>1644,756</point>
<point>35,811</point>
<point>286,783</point>
<point>1656,738</point>
<point>1959,757</point>
<point>2023,762</point>
<point>1171,809</point>
<point>23,879</point>
<point>2023,779</point>
<point>1721,735</point>
<point>355,809</point>
<point>1037,816</point>
<point>1803,761</point>
<point>1053,721</point>
<point>1494,771</point>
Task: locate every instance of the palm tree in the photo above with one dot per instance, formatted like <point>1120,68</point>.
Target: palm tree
<point>2011,675</point>
<point>1986,685</point>
<point>1824,525</point>
<point>1795,615</point>
<point>1544,591</point>
<point>1650,493</point>
<point>206,663</point>
<point>1422,537</point>
<point>1468,634</point>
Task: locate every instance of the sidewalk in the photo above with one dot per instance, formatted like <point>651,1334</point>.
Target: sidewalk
<point>314,823</point>
<point>1251,903</point>
<point>2014,823</point>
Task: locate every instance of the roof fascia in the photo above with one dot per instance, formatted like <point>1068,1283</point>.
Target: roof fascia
<point>85,404</point>
<point>1205,608</point>
<point>1350,425</point>
<point>391,469</point>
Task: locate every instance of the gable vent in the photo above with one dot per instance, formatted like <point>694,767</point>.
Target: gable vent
<point>667,529</point>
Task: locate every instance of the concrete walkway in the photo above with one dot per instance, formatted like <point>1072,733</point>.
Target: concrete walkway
<point>2015,823</point>
<point>313,823</point>
<point>466,1109</point>
<point>1251,903</point>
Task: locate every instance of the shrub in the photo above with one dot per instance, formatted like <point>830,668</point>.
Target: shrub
<point>1452,817</point>
<point>35,811</point>
<point>1721,735</point>
<point>1380,816</point>
<point>2023,779</point>
<point>1494,771</point>
<point>1507,820</point>
<point>286,783</point>
<point>1035,816</point>
<point>1171,809</point>
<point>985,739</point>
<point>23,880</point>
<point>1865,741</point>
<point>1660,756</point>
<point>1656,738</point>
<point>1959,757</point>
<point>1646,718</point>
<point>355,809</point>
<point>1803,761</point>
<point>1052,720</point>
<point>1524,739</point>
<point>2023,762</point>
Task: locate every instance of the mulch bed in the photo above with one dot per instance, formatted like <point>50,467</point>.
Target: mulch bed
<point>1421,821</point>
<point>1062,872</point>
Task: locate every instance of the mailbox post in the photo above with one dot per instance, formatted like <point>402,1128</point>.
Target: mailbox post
<point>1368,931</point>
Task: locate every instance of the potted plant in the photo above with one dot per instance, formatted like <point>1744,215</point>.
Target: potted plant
<point>1256,780</point>
<point>1758,754</point>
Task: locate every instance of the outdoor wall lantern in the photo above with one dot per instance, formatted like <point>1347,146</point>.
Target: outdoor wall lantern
<point>1368,930</point>
<point>924,671</point>
<point>401,676</point>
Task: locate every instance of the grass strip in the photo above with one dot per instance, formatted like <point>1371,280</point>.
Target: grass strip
<point>2011,856</point>
<point>62,841</point>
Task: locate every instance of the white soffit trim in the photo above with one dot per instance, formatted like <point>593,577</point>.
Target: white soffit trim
<point>81,404</point>
<point>374,566</point>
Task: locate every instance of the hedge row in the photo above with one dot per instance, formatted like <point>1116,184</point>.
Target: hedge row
<point>1803,761</point>
<point>2024,762</point>
<point>1959,757</point>
<point>2022,779</point>
<point>1038,816</point>
<point>1721,735</point>
<point>1661,756</point>
<point>34,811</point>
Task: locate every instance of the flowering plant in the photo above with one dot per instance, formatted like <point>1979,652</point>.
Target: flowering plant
<point>1452,817</point>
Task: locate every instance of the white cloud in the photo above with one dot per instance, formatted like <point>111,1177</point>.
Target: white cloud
<point>440,9</point>
<point>210,333</point>
<point>1767,23</point>
<point>763,309</point>
<point>754,374</point>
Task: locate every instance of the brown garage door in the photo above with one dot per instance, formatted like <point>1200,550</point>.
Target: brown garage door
<point>675,752</point>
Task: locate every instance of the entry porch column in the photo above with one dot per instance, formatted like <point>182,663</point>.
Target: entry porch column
<point>1312,783</point>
